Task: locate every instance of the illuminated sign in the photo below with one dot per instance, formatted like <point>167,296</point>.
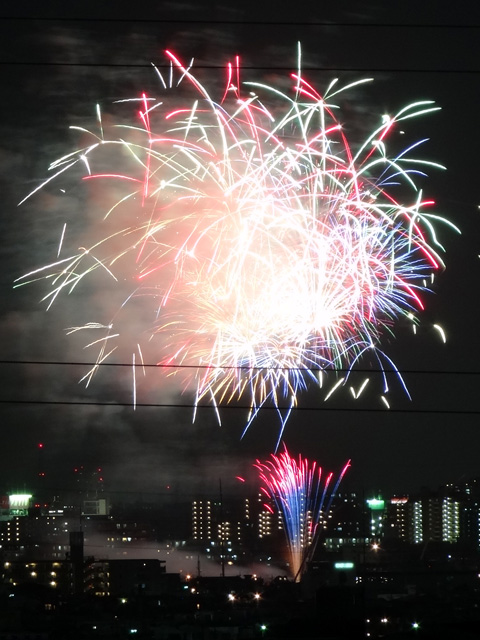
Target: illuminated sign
<point>19,500</point>
<point>344,565</point>
<point>375,504</point>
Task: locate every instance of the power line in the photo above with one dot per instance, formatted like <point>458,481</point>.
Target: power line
<point>238,367</point>
<point>267,23</point>
<point>237,407</point>
<point>144,65</point>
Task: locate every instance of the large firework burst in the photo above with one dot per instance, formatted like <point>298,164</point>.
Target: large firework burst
<point>263,247</point>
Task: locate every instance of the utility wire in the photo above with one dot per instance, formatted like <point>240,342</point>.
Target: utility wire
<point>236,407</point>
<point>144,65</point>
<point>267,23</point>
<point>237,368</point>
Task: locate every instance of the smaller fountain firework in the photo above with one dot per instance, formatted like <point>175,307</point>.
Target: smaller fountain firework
<point>300,491</point>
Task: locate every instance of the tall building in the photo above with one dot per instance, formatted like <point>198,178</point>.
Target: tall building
<point>345,523</point>
<point>468,496</point>
<point>269,520</point>
<point>397,518</point>
<point>427,518</point>
<point>450,519</point>
<point>416,522</point>
<point>440,517</point>
<point>376,513</point>
<point>202,520</point>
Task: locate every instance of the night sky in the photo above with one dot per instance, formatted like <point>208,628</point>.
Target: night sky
<point>54,72</point>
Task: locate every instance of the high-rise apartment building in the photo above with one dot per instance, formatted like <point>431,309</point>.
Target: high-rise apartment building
<point>397,518</point>
<point>428,518</point>
<point>202,520</point>
<point>415,529</point>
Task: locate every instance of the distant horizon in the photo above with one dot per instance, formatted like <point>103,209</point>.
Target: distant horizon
<point>145,497</point>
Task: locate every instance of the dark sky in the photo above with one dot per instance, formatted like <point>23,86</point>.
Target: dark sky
<point>53,74</point>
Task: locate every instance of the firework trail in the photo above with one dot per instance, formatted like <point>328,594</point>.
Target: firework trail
<point>303,496</point>
<point>263,248</point>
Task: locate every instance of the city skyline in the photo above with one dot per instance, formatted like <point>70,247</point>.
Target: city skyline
<point>236,533</point>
